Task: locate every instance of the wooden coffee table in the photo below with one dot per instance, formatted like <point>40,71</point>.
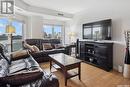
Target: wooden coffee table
<point>66,63</point>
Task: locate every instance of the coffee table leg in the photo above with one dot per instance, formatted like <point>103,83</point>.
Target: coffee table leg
<point>65,76</point>
<point>79,71</point>
<point>50,65</point>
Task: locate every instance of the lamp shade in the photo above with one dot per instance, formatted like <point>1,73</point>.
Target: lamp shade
<point>10,29</point>
<point>72,34</point>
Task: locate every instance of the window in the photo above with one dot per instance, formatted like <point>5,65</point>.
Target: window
<point>53,31</point>
<point>17,36</point>
<point>3,23</point>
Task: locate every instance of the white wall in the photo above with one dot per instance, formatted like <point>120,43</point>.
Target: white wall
<point>35,25</point>
<point>120,22</point>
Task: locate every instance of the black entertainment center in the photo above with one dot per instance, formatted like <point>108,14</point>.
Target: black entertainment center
<point>97,49</point>
<point>99,54</point>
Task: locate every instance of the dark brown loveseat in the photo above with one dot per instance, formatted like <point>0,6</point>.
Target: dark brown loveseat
<point>42,56</point>
<point>23,71</point>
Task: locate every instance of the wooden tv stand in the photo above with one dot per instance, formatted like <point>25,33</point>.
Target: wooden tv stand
<point>96,53</point>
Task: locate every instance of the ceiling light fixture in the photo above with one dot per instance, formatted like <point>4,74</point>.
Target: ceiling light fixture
<point>60,14</point>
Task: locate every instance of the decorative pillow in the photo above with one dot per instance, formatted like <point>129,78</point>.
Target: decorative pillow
<point>47,46</point>
<point>3,67</point>
<point>27,46</point>
<point>21,54</point>
<point>36,49</point>
<point>58,46</point>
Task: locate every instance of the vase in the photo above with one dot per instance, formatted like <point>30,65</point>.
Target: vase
<point>126,72</point>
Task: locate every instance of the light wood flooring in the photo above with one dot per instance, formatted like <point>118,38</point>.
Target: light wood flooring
<point>91,77</point>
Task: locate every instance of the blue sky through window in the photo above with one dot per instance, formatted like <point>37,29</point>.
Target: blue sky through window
<point>18,27</point>
<point>48,29</point>
<point>16,24</point>
<point>57,29</point>
<point>3,23</point>
<point>52,31</point>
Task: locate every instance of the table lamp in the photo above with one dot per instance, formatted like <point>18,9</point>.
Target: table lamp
<point>71,36</point>
<point>10,30</point>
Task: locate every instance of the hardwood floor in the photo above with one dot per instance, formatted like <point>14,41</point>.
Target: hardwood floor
<point>91,77</point>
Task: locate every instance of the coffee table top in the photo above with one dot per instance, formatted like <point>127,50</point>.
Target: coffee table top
<point>64,59</point>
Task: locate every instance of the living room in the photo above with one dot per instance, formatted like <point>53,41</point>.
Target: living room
<point>68,26</point>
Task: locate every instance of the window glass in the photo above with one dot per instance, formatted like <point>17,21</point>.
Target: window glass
<point>52,31</point>
<point>3,23</point>
<point>47,31</point>
<point>57,32</point>
<point>17,36</point>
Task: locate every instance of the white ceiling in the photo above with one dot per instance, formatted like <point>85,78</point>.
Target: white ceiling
<point>74,6</point>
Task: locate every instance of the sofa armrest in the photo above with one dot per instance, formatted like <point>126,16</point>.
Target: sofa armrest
<point>21,79</point>
<point>21,54</point>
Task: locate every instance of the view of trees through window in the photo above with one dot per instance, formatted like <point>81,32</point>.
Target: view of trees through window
<point>17,36</point>
<point>52,31</point>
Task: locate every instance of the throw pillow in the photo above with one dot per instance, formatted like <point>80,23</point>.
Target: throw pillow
<point>36,49</point>
<point>47,46</point>
<point>27,46</point>
<point>58,46</point>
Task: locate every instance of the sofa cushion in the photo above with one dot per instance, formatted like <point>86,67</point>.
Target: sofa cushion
<point>47,46</point>
<point>31,63</point>
<point>23,64</point>
<point>3,66</point>
<point>36,42</point>
<point>58,46</point>
<point>53,51</point>
<point>17,65</point>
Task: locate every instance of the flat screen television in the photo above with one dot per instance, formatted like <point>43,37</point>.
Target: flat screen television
<point>100,30</point>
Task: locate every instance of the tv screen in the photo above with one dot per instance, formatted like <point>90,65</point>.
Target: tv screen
<point>100,30</point>
<point>87,32</point>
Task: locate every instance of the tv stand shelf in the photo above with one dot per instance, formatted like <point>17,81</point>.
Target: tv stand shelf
<point>96,53</point>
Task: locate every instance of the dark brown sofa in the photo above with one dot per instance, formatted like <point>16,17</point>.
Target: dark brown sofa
<point>42,56</point>
<point>23,71</point>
